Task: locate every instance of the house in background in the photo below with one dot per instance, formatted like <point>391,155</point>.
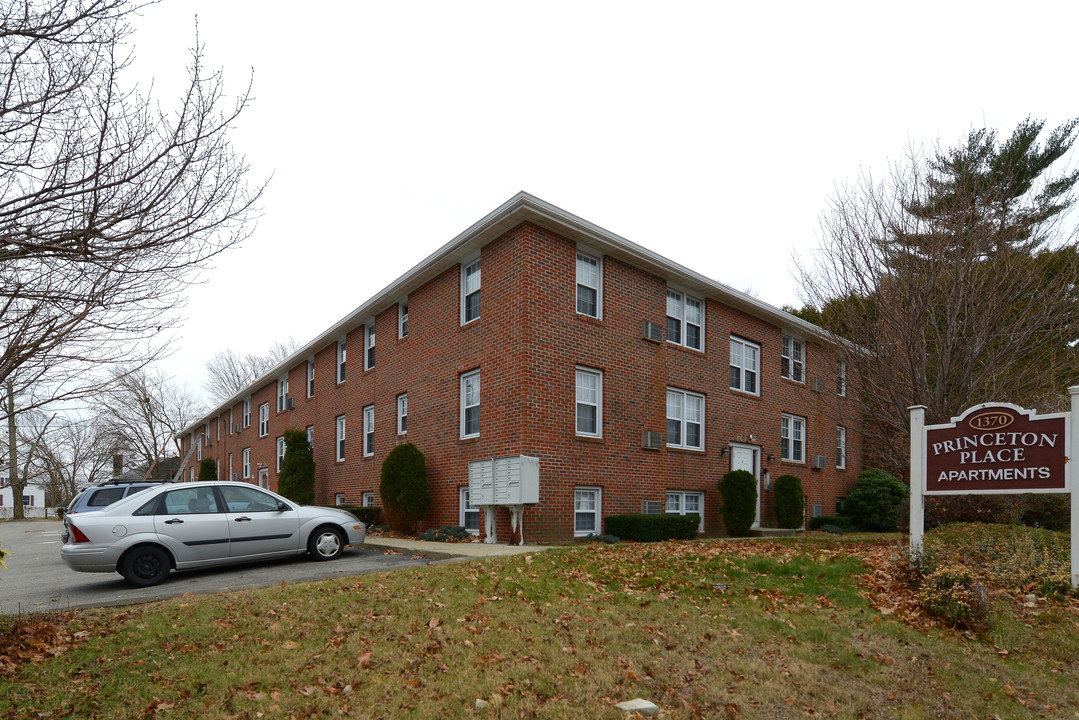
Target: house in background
<point>635,381</point>
<point>33,498</point>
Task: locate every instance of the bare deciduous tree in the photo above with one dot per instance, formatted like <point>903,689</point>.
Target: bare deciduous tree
<point>74,452</point>
<point>228,372</point>
<point>108,202</point>
<point>957,279</point>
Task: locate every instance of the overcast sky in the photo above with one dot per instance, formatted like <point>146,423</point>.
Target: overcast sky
<point>712,133</point>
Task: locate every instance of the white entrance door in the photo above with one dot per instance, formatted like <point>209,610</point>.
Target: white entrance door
<point>744,457</point>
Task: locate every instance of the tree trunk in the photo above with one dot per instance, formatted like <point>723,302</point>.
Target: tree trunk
<point>13,453</point>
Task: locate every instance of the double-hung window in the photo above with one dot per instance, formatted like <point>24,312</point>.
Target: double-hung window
<point>841,378</point>
<point>369,431</point>
<point>247,412</point>
<point>470,292</point>
<point>586,510</point>
<point>264,419</point>
<point>685,320</point>
<point>792,362</point>
<point>840,447</point>
<point>745,365</point>
<point>402,413</point>
<point>246,462</point>
<point>685,420</point>
<point>470,404</point>
<point>311,436</point>
<point>402,320</point>
<point>369,346</point>
<point>589,285</point>
<point>342,356</point>
<point>686,503</point>
<point>469,514</point>
<point>311,378</point>
<point>339,444</point>
<point>589,402</point>
<point>368,499</point>
<point>792,438</point>
<point>280,452</point>
<point>282,393</point>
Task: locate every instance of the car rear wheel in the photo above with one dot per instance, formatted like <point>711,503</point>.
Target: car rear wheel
<point>326,543</point>
<point>145,566</point>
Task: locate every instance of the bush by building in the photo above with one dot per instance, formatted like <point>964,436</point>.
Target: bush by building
<point>873,503</point>
<point>789,501</point>
<point>296,481</point>
<point>404,490</point>
<point>207,470</point>
<point>739,491</point>
<point>653,528</point>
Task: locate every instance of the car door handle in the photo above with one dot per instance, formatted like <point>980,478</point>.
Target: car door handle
<point>174,520</point>
<point>243,519</point>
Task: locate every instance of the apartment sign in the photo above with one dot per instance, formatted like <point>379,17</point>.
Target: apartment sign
<point>997,449</point>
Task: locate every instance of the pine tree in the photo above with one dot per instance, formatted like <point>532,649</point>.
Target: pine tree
<point>296,481</point>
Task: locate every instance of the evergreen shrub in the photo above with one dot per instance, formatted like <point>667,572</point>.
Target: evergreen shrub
<point>296,481</point>
<point>873,503</point>
<point>653,528</point>
<point>739,491</point>
<point>207,470</point>
<point>404,490</point>
<point>789,501</point>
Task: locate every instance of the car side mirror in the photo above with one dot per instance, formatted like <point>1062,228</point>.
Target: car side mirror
<point>283,507</point>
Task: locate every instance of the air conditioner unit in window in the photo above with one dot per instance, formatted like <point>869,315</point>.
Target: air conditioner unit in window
<point>653,331</point>
<point>236,427</point>
<point>289,403</point>
<point>651,440</point>
<point>820,462</point>
<point>651,507</point>
<point>818,384</point>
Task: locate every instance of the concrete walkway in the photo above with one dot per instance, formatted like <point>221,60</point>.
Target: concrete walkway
<point>443,550</point>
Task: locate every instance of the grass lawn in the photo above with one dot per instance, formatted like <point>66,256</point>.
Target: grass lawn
<point>815,627</point>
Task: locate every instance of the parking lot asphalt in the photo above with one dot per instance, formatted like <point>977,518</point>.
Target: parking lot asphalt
<point>37,580</point>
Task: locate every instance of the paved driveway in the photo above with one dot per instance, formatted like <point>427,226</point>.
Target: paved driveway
<point>37,580</point>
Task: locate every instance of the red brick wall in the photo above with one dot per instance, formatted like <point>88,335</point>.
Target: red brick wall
<point>527,345</point>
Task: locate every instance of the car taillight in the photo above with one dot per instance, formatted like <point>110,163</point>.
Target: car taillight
<point>78,536</point>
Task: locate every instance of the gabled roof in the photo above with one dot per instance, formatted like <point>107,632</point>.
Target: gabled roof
<point>522,208</point>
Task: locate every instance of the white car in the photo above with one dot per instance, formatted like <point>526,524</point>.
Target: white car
<point>192,525</point>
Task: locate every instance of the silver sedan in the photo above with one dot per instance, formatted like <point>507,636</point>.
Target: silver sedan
<point>193,525</point>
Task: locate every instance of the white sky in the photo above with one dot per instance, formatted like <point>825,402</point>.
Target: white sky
<point>711,133</point>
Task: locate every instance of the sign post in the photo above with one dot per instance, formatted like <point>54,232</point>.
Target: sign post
<point>995,448</point>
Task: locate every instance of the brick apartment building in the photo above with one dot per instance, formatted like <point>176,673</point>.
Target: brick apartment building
<point>636,382</point>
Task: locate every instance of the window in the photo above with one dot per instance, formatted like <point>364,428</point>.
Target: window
<point>246,463</point>
<point>230,421</point>
<point>192,474</point>
<point>369,431</point>
<point>311,378</point>
<point>792,365</point>
<point>280,452</point>
<point>232,476</point>
<point>586,511</point>
<point>341,357</point>
<point>686,503</point>
<point>368,499</point>
<point>745,362</point>
<point>792,438</point>
<point>246,499</point>
<point>685,320</point>
<point>247,412</point>
<point>340,446</point>
<point>402,320</point>
<point>589,285</point>
<point>470,404</point>
<point>840,447</point>
<point>402,413</point>
<point>470,292</point>
<point>264,419</point>
<point>264,479</point>
<point>339,499</point>
<point>311,436</point>
<point>369,345</point>
<point>469,514</point>
<point>187,501</point>
<point>589,402</point>
<point>685,420</point>
<point>198,445</point>
<point>282,393</point>
<point>841,378</point>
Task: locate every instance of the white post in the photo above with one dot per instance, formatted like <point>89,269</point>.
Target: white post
<point>489,524</point>
<point>1073,478</point>
<point>917,478</point>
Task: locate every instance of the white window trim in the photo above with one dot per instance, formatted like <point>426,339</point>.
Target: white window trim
<point>402,414</point>
<point>841,378</point>
<point>598,374</point>
<point>841,447</point>
<point>264,478</point>
<point>369,431</point>
<point>686,394</point>
<point>465,265</point>
<point>280,452</point>
<point>230,466</point>
<point>339,499</point>
<point>464,508</point>
<point>369,345</point>
<point>598,512</point>
<point>246,414</point>
<point>339,438</point>
<point>791,361</point>
<point>264,419</point>
<point>682,495</point>
<point>683,322</point>
<point>792,421</point>
<point>282,393</point>
<point>742,368</point>
<point>311,436</point>
<point>310,377</point>
<point>598,259</point>
<point>341,368</point>
<point>367,499</point>
<point>464,378</point>
<point>402,319</point>
<point>245,463</point>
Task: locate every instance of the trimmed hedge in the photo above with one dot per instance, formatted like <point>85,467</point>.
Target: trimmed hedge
<point>739,491</point>
<point>873,503</point>
<point>839,521</point>
<point>790,501</point>
<point>653,528</point>
<point>404,490</point>
<point>367,515</point>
